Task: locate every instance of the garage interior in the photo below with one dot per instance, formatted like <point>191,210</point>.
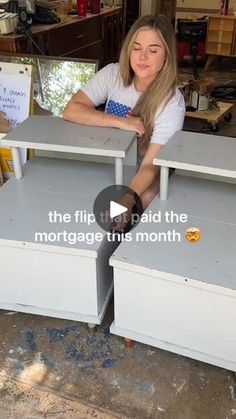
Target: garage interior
<point>51,367</point>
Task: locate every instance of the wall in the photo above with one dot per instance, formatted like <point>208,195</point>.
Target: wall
<point>199,8</point>
<point>232,6</point>
<point>147,7</point>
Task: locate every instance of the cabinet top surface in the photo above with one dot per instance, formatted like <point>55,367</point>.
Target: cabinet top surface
<point>55,134</point>
<point>203,153</point>
<point>209,206</point>
<point>222,16</point>
<point>72,19</point>
<point>48,185</point>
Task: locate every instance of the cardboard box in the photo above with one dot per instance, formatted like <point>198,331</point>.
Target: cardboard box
<point>6,162</point>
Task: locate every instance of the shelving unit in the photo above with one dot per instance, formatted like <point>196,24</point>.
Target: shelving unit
<point>221,37</point>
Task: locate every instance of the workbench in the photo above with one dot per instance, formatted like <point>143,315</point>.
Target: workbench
<point>175,294</point>
<point>58,276</point>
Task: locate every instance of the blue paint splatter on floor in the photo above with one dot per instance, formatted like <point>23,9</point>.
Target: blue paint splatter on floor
<point>90,351</point>
<point>108,363</point>
<point>58,334</point>
<point>75,345</point>
<point>72,352</point>
<point>89,340</point>
<point>107,333</point>
<point>30,340</point>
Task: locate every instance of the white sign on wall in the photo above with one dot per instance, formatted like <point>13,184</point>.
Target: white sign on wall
<point>15,91</point>
<point>15,94</point>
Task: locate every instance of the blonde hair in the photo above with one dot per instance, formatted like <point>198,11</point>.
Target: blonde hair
<point>163,87</point>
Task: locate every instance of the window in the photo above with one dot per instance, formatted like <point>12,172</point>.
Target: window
<point>56,79</point>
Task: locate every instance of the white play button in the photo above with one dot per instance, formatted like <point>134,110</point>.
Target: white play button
<point>109,212</point>
<point>116,209</point>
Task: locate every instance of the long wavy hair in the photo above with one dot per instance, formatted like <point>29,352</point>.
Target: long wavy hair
<point>163,87</point>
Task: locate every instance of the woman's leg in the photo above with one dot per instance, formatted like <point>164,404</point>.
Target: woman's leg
<point>151,192</point>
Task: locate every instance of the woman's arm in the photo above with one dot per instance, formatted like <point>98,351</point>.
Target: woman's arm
<point>141,182</point>
<point>81,109</point>
<point>147,172</point>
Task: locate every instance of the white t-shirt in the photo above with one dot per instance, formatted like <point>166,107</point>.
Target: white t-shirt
<point>107,87</point>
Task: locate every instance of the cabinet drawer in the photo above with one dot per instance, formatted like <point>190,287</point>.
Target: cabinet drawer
<point>71,37</point>
<point>216,48</point>
<point>220,36</point>
<point>221,24</point>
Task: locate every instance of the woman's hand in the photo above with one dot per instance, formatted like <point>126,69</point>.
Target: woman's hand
<point>132,123</point>
<point>122,220</point>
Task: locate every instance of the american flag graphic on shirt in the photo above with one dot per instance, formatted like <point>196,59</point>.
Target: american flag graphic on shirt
<point>116,108</point>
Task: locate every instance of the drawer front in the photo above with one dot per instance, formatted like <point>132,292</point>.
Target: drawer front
<point>221,24</point>
<point>215,48</point>
<point>224,37</point>
<point>7,46</point>
<point>71,37</point>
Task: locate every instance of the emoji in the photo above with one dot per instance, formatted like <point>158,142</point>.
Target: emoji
<point>193,234</point>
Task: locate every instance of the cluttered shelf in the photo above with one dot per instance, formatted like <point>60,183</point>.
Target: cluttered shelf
<point>96,36</point>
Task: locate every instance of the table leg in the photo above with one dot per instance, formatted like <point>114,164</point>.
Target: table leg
<point>119,171</point>
<point>164,178</point>
<point>17,163</point>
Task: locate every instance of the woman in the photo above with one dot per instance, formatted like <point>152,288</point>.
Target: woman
<point>141,95</point>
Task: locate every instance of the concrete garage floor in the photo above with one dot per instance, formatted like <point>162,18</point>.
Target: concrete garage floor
<point>85,376</point>
<point>88,376</point>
